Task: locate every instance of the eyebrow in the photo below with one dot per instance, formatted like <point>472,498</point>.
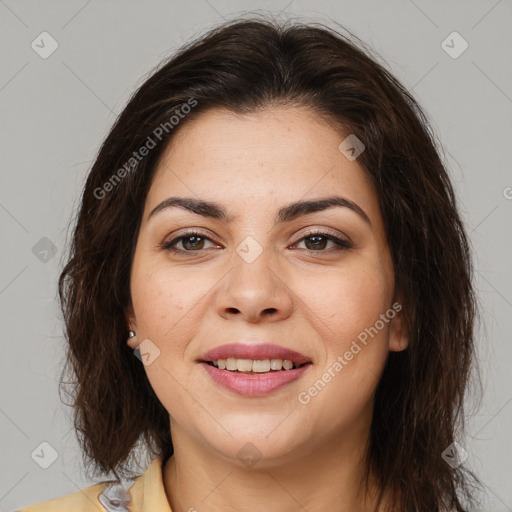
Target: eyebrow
<point>285,214</point>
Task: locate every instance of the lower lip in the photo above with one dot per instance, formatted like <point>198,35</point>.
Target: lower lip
<point>254,384</point>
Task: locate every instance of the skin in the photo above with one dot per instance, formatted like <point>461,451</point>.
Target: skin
<point>316,303</point>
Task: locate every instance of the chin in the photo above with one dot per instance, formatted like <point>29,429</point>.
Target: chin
<point>262,447</point>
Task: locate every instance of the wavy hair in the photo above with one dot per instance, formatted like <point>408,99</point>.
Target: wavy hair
<point>244,66</point>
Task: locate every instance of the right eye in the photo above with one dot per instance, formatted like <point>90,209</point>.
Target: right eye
<point>192,241</point>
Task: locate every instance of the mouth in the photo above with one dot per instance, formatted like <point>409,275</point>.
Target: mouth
<point>254,370</point>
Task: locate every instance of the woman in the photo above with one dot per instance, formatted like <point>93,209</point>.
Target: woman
<point>270,229</point>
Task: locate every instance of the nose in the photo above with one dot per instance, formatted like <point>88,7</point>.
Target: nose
<point>255,292</point>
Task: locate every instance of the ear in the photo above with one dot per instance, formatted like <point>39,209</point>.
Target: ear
<point>131,323</point>
<point>398,331</point>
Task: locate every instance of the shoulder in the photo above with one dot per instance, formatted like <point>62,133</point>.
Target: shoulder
<point>81,501</point>
<point>139,494</point>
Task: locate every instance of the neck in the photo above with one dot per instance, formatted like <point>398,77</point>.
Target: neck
<point>330,477</point>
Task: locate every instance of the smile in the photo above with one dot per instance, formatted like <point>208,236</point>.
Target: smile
<point>253,370</point>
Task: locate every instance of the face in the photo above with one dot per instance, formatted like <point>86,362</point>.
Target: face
<point>320,283</point>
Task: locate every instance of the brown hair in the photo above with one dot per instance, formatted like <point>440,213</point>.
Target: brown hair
<point>246,65</point>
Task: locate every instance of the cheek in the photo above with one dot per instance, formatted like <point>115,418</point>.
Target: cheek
<point>355,352</point>
<point>166,299</point>
<point>166,303</point>
<point>345,302</point>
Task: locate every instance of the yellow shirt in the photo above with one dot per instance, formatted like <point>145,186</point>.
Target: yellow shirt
<point>146,493</point>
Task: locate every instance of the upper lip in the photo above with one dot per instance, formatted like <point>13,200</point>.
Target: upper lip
<point>254,351</point>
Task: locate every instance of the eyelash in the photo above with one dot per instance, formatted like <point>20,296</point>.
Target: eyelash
<point>342,244</point>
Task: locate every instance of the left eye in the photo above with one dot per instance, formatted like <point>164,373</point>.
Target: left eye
<point>194,242</point>
<point>318,243</point>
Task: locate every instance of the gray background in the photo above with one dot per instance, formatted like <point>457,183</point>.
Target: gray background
<point>56,111</point>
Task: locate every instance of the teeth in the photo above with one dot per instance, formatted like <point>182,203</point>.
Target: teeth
<point>244,365</point>
<point>261,365</point>
<point>253,365</point>
<point>287,365</point>
<point>276,364</point>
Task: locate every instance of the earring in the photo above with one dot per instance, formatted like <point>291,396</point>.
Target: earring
<point>131,334</point>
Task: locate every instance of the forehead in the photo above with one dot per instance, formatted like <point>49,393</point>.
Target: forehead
<point>259,161</point>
